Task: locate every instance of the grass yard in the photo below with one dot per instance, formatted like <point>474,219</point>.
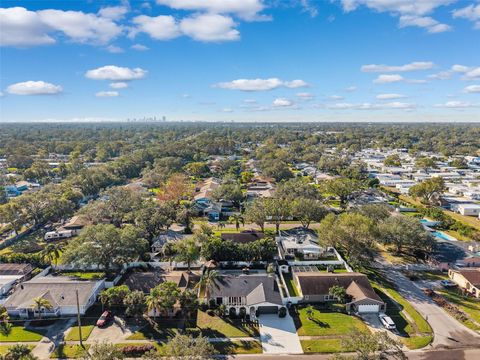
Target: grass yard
<point>19,334</point>
<point>87,328</point>
<point>92,275</point>
<point>238,347</point>
<point>292,289</point>
<point>468,305</point>
<point>156,331</point>
<point>69,351</point>
<point>322,346</point>
<point>5,348</point>
<point>214,326</point>
<point>327,323</point>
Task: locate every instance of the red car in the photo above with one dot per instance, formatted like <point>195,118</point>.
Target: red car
<point>106,316</point>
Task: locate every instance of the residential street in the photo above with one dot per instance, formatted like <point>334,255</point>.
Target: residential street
<point>448,332</point>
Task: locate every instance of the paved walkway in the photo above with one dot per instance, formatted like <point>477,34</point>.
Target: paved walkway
<point>278,335</point>
<point>54,336</point>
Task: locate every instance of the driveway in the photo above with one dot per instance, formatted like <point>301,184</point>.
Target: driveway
<point>449,333</point>
<point>114,332</point>
<point>278,335</point>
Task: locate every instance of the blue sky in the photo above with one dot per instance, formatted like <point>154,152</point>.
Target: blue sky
<point>232,60</point>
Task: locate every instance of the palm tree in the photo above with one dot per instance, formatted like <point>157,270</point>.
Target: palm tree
<point>208,281</point>
<point>153,301</point>
<point>51,253</point>
<point>309,311</point>
<point>4,324</point>
<point>40,303</point>
<point>237,219</point>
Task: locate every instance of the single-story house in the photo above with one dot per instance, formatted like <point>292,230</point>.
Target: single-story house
<point>470,261</point>
<point>300,242</point>
<point>249,294</point>
<point>60,291</point>
<point>75,225</point>
<point>147,280</point>
<point>243,237</point>
<point>12,274</point>
<point>165,237</point>
<point>315,286</point>
<point>203,193</point>
<point>467,279</point>
<point>466,209</point>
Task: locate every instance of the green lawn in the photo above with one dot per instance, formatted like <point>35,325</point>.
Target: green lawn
<point>214,326</point>
<point>69,351</point>
<point>5,348</point>
<point>87,275</point>
<point>19,333</point>
<point>87,328</point>
<point>158,330</point>
<point>327,323</point>
<point>322,345</point>
<point>468,305</point>
<point>292,288</point>
<point>238,347</point>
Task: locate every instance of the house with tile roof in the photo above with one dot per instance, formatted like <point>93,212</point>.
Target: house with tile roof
<point>467,279</point>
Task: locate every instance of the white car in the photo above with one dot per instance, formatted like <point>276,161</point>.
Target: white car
<point>387,322</point>
<point>448,283</point>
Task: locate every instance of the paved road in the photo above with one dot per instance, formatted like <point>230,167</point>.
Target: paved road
<point>449,333</point>
<point>278,335</point>
<point>463,354</point>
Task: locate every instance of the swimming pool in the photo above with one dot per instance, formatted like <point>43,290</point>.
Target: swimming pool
<point>443,236</point>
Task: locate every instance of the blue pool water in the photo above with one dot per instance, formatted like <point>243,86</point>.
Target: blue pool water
<point>443,236</point>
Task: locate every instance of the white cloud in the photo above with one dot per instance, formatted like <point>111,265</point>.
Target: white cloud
<point>455,105</point>
<point>442,75</point>
<point>81,27</point>
<point>250,101</point>
<point>414,66</point>
<point>472,89</point>
<point>107,94</point>
<point>260,84</point>
<point>245,9</point>
<point>432,25</point>
<point>34,88</point>
<point>282,102</point>
<point>473,74</point>
<point>139,47</point>
<point>471,12</point>
<point>21,27</point>
<point>118,85</point>
<point>113,12</point>
<point>460,68</point>
<point>389,96</point>
<point>309,8</point>
<point>351,88</point>
<point>372,106</point>
<point>163,27</point>
<point>210,27</point>
<point>114,49</point>
<point>416,81</point>
<point>227,110</point>
<point>385,79</point>
<point>116,73</point>
<point>411,12</point>
<point>335,97</point>
<point>305,95</point>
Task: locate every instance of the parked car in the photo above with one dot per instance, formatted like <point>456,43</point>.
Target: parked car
<point>104,318</point>
<point>447,283</point>
<point>387,322</point>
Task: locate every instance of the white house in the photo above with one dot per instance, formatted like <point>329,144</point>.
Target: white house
<point>59,291</point>
<point>467,280</point>
<point>467,209</point>
<point>300,242</point>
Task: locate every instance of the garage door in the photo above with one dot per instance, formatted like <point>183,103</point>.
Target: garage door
<point>368,309</point>
<point>268,309</point>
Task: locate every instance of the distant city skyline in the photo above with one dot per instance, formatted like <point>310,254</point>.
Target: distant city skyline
<point>242,61</point>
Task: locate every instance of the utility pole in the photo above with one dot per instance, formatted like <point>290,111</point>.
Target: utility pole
<point>78,320</point>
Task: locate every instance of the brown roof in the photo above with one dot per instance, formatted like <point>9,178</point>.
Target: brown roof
<point>15,269</point>
<point>243,237</point>
<point>318,283</point>
<point>144,281</point>
<point>76,222</point>
<point>472,276</point>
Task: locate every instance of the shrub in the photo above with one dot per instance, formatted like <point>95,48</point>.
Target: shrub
<point>137,350</point>
<point>212,304</point>
<point>282,312</point>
